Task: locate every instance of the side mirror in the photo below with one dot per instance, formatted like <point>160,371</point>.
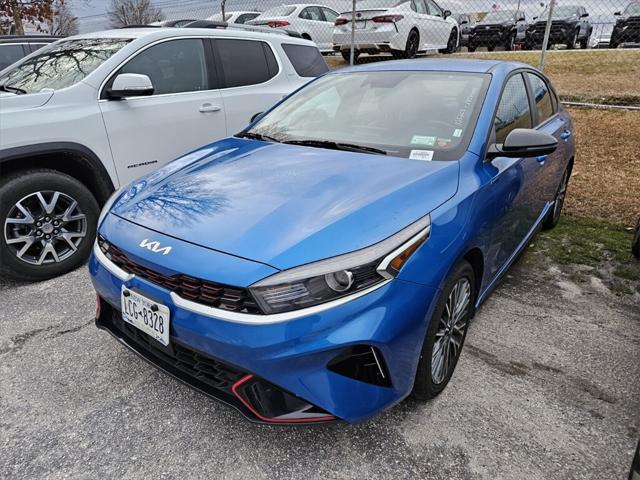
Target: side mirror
<point>617,14</point>
<point>447,14</point>
<point>464,22</point>
<point>535,18</point>
<point>256,117</point>
<point>523,142</point>
<point>522,19</point>
<point>584,15</point>
<point>130,85</point>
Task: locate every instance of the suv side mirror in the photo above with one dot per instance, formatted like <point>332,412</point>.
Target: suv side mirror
<point>524,142</point>
<point>522,19</point>
<point>464,22</point>
<point>584,15</point>
<point>446,14</point>
<point>617,14</point>
<point>130,85</point>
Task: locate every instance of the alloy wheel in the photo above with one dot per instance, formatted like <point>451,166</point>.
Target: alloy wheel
<point>560,196</point>
<point>45,227</point>
<point>451,330</point>
<point>412,45</point>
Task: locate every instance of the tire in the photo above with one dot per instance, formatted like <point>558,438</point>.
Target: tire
<point>571,42</point>
<point>491,48</point>
<point>452,43</point>
<point>613,45</point>
<point>584,43</point>
<point>58,244</point>
<point>553,217</point>
<point>413,45</point>
<point>635,245</point>
<point>471,48</point>
<point>346,55</point>
<point>430,381</point>
<point>509,46</point>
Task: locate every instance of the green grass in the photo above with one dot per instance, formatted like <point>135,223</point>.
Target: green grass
<point>603,246</point>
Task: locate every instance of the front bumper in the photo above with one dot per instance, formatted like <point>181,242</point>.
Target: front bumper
<point>292,355</point>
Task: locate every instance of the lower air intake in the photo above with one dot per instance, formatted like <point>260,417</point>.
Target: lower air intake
<point>364,363</point>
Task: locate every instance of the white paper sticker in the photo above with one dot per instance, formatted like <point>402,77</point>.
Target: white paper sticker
<point>425,155</point>
<point>457,132</point>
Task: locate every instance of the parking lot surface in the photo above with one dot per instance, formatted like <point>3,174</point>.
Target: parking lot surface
<point>547,387</point>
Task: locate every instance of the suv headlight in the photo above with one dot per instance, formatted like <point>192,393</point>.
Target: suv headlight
<point>341,276</point>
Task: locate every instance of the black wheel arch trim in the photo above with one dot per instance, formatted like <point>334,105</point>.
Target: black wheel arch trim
<point>102,186</point>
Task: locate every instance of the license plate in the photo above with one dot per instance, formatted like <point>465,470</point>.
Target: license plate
<point>145,314</point>
<point>361,24</point>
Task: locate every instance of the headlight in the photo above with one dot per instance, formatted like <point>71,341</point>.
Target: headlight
<point>109,203</point>
<point>340,276</point>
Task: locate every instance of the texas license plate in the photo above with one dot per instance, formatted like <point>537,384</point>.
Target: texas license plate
<point>145,314</point>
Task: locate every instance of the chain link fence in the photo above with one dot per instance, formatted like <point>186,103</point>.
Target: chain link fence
<point>590,48</point>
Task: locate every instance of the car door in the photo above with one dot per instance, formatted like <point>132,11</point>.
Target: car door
<point>441,28</point>
<point>185,111</point>
<point>314,25</point>
<point>511,196</point>
<point>252,79</point>
<point>548,120</point>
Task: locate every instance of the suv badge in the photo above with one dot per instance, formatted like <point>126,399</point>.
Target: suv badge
<point>154,247</point>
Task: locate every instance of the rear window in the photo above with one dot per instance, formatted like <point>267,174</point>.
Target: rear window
<point>10,54</point>
<point>246,62</point>
<point>281,11</point>
<point>306,60</point>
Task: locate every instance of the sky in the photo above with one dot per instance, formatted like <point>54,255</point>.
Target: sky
<point>92,13</point>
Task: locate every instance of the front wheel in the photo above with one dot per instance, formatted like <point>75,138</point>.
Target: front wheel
<point>509,46</point>
<point>584,43</point>
<point>554,215</point>
<point>572,41</point>
<point>446,333</point>
<point>48,224</point>
<point>452,43</point>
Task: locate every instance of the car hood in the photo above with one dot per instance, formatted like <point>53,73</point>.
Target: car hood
<point>285,205</point>
<point>12,102</point>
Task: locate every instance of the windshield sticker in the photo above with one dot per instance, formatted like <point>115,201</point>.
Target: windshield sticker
<point>422,140</point>
<point>443,142</point>
<point>457,132</point>
<point>461,118</point>
<point>424,155</point>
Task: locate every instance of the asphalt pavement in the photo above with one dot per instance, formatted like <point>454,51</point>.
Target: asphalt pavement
<point>547,388</point>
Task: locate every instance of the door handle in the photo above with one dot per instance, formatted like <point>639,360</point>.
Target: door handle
<point>542,158</point>
<point>208,108</point>
<point>565,135</point>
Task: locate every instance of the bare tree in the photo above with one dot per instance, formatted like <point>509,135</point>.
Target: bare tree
<point>133,12</point>
<point>63,22</point>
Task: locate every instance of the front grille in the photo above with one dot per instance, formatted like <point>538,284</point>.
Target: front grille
<point>492,31</point>
<point>211,294</point>
<point>207,370</point>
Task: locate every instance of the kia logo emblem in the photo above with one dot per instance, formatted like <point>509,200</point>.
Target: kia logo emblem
<point>154,246</point>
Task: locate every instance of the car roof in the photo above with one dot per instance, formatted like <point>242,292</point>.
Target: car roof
<point>439,65</point>
<point>157,33</point>
<point>27,38</point>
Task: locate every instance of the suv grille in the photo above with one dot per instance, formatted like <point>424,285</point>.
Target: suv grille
<point>200,291</point>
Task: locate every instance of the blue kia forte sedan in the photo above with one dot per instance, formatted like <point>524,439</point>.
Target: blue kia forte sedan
<point>325,262</point>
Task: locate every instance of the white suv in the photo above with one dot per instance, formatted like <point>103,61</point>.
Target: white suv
<point>89,113</point>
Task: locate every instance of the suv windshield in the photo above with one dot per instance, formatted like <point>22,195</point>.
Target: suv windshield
<point>498,17</point>
<point>396,112</point>
<point>61,64</point>
<point>560,12</point>
<point>632,9</point>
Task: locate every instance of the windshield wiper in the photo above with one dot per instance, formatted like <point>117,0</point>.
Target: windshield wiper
<point>349,147</point>
<point>257,136</point>
<point>10,89</point>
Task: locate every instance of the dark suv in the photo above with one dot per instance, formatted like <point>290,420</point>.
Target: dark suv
<point>569,26</point>
<point>14,47</point>
<point>627,28</point>
<point>503,28</point>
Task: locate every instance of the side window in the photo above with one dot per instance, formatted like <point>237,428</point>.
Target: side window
<point>542,98</point>
<point>311,13</point>
<point>329,15</point>
<point>246,62</point>
<point>513,111</point>
<point>173,67</point>
<point>244,18</point>
<point>306,60</point>
<point>10,54</point>
<point>36,46</point>
<point>420,7</point>
<point>434,9</point>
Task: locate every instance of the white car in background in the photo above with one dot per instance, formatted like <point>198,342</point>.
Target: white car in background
<point>234,17</point>
<point>313,22</point>
<point>87,114</point>
<point>403,28</point>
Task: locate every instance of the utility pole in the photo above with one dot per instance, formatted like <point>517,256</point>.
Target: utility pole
<point>353,33</point>
<point>547,32</point>
<point>222,5</point>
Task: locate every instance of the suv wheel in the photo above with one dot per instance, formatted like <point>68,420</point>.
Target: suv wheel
<point>48,222</point>
<point>572,40</point>
<point>446,333</point>
<point>584,43</point>
<point>346,55</point>
<point>509,46</point>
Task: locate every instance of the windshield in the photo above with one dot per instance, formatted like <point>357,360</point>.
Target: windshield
<point>499,17</point>
<point>398,112</point>
<point>281,11</point>
<point>632,9</point>
<point>560,12</point>
<point>62,64</point>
